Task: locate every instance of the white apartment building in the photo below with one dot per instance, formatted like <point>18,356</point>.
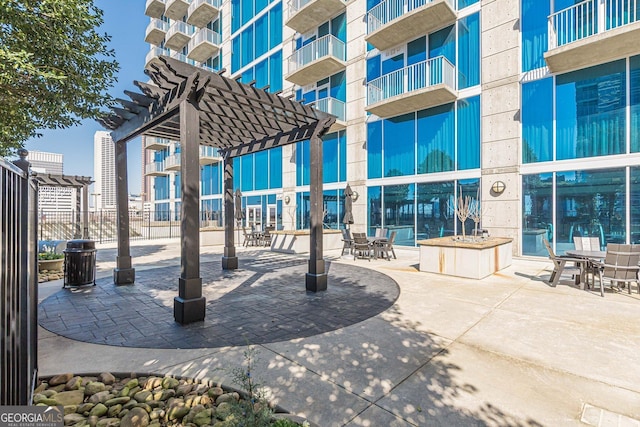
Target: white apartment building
<point>52,199</point>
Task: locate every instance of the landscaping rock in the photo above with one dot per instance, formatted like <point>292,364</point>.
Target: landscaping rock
<point>70,409</point>
<point>203,418</point>
<point>99,410</point>
<point>114,410</point>
<point>136,417</point>
<point>101,397</point>
<point>117,401</point>
<point>71,419</point>
<point>65,398</point>
<point>106,378</point>
<point>73,384</point>
<point>60,379</point>
<point>143,396</point>
<point>168,382</point>
<point>85,408</point>
<point>108,422</point>
<point>94,387</point>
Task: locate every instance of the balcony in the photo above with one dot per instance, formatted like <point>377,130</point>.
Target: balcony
<point>172,163</point>
<point>156,30</point>
<point>178,35</point>
<point>209,155</point>
<point>204,44</point>
<point>154,8</point>
<point>201,12</point>
<point>305,15</point>
<point>319,59</point>
<point>152,143</point>
<point>416,87</point>
<point>335,107</point>
<point>155,169</point>
<point>154,53</point>
<point>396,21</point>
<point>176,9</point>
<point>593,32</point>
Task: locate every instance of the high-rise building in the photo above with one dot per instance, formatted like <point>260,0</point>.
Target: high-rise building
<point>51,199</point>
<point>104,171</point>
<point>530,106</point>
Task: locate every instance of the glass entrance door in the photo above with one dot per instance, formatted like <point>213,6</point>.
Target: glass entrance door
<point>272,215</point>
<point>254,217</point>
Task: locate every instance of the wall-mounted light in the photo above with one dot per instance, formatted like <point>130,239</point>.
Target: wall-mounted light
<point>355,196</point>
<point>287,199</point>
<point>498,187</point>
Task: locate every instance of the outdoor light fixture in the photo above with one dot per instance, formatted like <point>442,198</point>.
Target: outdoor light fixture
<point>287,199</point>
<point>355,196</point>
<point>498,187</point>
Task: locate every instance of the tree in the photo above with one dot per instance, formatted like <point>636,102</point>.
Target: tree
<point>55,68</point>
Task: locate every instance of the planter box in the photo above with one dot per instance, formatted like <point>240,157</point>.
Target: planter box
<point>298,241</point>
<point>474,260</point>
<point>50,264</point>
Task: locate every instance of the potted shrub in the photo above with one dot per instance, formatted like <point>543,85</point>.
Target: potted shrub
<point>50,261</point>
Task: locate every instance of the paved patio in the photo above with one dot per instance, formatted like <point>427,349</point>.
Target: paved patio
<point>507,350</point>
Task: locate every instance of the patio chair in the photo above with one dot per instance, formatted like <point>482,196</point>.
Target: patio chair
<point>361,246</point>
<point>250,238</point>
<point>620,265</point>
<point>386,247</point>
<point>347,241</point>
<point>265,237</point>
<point>585,243</point>
<point>560,265</point>
<point>381,232</point>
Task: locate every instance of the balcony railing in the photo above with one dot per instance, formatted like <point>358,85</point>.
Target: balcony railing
<point>590,17</point>
<point>328,45</point>
<point>332,106</point>
<point>155,168</point>
<point>153,143</point>
<point>204,44</point>
<point>389,10</point>
<point>178,35</point>
<point>201,12</point>
<point>156,31</point>
<point>422,75</point>
<point>154,53</point>
<point>172,162</point>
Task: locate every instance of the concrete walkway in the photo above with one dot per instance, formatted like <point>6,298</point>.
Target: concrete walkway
<point>504,351</point>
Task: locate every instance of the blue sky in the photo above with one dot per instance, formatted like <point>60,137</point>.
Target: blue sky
<point>125,22</point>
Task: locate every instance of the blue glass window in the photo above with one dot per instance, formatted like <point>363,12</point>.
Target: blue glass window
<point>593,124</point>
<point>262,35</point>
<point>302,163</point>
<point>275,167</point>
<point>338,87</point>
<point>262,170</point>
<point>374,205</point>
<point>247,45</point>
<point>417,51</point>
<point>537,121</point>
<point>342,141</point>
<point>235,15</point>
<point>161,187</point>
<point>275,72</point>
<point>393,64</point>
<point>374,149</point>
<point>634,94</point>
<point>211,179</point>
<point>534,33</point>
<point>469,51</point>
<point>468,147</point>
<point>247,10</point>
<point>176,186</point>
<point>261,4</point>
<point>537,210</point>
<point>443,43</point>
<point>248,168</point>
<point>399,145</point>
<point>398,207</point>
<point>237,171</point>
<point>235,54</point>
<point>373,68</point>
<point>464,3</point>
<point>436,139</point>
<point>330,157</point>
<point>339,27</point>
<point>262,73</point>
<point>275,26</point>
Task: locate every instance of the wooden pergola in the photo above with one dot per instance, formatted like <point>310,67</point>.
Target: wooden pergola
<point>196,107</point>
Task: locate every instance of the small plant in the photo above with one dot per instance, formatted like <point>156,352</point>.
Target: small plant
<point>49,255</point>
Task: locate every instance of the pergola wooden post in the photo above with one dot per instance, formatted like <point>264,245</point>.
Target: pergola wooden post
<point>194,106</point>
<point>124,273</point>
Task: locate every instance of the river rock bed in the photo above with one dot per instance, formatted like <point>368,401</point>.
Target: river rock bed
<point>106,400</point>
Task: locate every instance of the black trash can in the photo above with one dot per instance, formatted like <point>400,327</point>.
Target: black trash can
<point>80,263</point>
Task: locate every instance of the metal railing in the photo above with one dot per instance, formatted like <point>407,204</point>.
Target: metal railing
<point>179,27</point>
<point>590,17</point>
<point>427,73</point>
<point>205,35</point>
<point>197,3</point>
<point>324,46</point>
<point>155,52</point>
<point>154,167</point>
<point>331,106</point>
<point>103,227</point>
<point>151,141</point>
<point>388,10</point>
<point>157,24</point>
<point>18,283</point>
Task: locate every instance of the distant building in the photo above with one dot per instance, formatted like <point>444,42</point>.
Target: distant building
<point>104,171</point>
<point>52,199</point>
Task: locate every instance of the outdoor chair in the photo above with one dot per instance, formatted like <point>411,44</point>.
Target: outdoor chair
<point>620,265</point>
<point>381,232</point>
<point>584,243</point>
<point>347,241</point>
<point>250,238</point>
<point>560,265</point>
<point>361,246</point>
<point>265,237</point>
<point>385,247</point>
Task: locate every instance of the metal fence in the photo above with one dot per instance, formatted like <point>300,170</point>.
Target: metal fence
<point>103,225</point>
<point>18,284</point>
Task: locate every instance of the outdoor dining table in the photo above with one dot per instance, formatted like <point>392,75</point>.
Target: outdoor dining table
<point>588,256</point>
<point>375,242</point>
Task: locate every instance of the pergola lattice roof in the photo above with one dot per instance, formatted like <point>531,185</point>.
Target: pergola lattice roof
<point>51,180</point>
<point>236,118</point>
